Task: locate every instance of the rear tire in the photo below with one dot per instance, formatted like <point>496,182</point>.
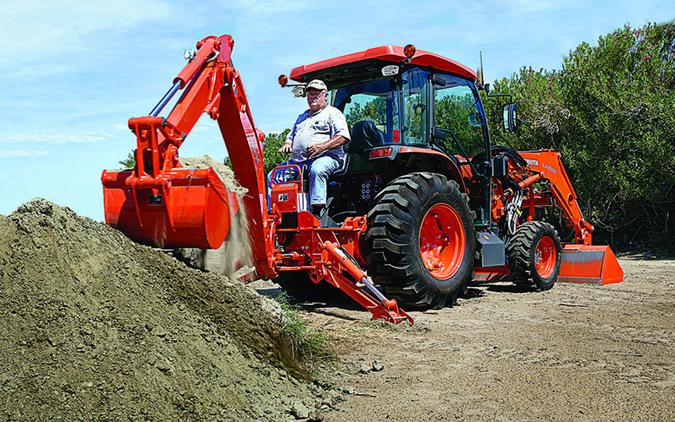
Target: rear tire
<point>535,255</point>
<point>419,244</point>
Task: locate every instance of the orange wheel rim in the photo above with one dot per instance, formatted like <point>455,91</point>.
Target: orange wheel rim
<point>545,256</point>
<point>442,241</point>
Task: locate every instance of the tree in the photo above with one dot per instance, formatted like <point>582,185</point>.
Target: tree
<point>610,111</point>
<point>129,162</point>
<point>271,154</point>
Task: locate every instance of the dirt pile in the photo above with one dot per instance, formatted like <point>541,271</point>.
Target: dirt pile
<point>94,326</point>
<point>234,257</point>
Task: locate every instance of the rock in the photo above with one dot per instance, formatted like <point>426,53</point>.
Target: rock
<point>349,390</point>
<point>365,368</point>
<point>163,367</point>
<point>299,410</point>
<point>315,416</point>
<point>377,366</point>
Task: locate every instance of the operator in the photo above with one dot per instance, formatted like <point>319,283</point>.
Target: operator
<point>316,140</point>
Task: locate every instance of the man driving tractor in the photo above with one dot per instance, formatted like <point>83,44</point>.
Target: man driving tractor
<point>317,140</point>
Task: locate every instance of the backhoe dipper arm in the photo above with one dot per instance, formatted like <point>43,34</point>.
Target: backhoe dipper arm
<point>211,85</point>
<point>547,165</point>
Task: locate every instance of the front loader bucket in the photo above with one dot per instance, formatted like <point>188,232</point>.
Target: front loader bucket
<point>180,208</point>
<point>589,264</point>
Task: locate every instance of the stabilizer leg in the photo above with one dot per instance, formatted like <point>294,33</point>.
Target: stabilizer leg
<point>335,260</point>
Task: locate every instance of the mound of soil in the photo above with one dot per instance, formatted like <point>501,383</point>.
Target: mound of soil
<point>94,326</point>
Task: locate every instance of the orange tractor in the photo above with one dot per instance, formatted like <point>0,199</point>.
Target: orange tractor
<point>423,204</point>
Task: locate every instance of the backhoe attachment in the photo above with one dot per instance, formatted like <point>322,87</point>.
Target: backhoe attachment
<point>162,203</point>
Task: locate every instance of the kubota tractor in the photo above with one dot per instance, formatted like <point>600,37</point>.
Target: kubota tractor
<point>423,204</point>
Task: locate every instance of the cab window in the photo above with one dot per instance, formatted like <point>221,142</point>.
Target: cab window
<point>372,109</point>
<point>456,110</point>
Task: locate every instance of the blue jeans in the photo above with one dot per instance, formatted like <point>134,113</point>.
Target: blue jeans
<point>320,170</point>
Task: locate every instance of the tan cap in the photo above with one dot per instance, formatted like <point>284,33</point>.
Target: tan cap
<point>317,84</point>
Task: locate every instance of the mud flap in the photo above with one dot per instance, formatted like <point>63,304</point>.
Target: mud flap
<point>589,264</point>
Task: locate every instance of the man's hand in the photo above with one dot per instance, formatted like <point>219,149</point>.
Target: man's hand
<point>286,148</point>
<point>314,150</point>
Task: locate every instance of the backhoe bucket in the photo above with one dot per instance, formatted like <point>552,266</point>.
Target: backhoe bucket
<point>589,264</point>
<point>179,208</point>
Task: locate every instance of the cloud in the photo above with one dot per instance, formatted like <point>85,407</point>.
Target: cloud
<point>55,138</point>
<point>21,153</point>
<point>32,31</point>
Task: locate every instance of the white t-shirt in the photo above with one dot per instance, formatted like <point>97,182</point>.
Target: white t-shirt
<point>312,129</point>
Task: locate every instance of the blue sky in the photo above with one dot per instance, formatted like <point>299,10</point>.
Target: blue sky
<point>73,72</point>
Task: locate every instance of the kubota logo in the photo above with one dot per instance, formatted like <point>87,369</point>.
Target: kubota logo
<point>549,168</point>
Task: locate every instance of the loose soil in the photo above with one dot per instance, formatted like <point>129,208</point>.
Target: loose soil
<point>234,258</point>
<point>576,352</point>
<point>94,326</point>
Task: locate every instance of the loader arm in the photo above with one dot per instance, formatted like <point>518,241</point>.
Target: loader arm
<point>546,165</point>
<point>162,203</point>
<point>581,262</point>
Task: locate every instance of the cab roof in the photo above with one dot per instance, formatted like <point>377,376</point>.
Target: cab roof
<point>385,53</point>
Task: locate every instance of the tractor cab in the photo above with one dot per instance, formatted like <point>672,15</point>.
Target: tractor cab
<point>408,111</point>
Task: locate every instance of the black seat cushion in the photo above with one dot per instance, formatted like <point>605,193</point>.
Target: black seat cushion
<point>365,135</point>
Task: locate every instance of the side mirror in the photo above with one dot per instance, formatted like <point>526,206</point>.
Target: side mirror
<point>510,117</point>
<point>298,91</point>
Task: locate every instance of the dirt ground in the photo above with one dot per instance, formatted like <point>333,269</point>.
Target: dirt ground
<point>577,352</point>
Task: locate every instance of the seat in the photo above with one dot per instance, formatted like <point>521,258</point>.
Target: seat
<point>365,135</point>
<point>343,168</point>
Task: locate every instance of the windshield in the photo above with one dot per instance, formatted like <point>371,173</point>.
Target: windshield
<point>456,109</point>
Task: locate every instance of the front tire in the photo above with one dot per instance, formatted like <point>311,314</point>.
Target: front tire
<point>419,244</point>
<point>535,255</point>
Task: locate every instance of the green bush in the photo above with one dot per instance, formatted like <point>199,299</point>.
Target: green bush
<point>610,111</point>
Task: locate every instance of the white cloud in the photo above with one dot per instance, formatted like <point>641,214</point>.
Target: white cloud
<point>55,138</point>
<point>21,153</point>
<point>31,31</point>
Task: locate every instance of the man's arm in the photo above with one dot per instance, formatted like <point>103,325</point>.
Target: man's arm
<point>339,127</point>
<point>334,142</point>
